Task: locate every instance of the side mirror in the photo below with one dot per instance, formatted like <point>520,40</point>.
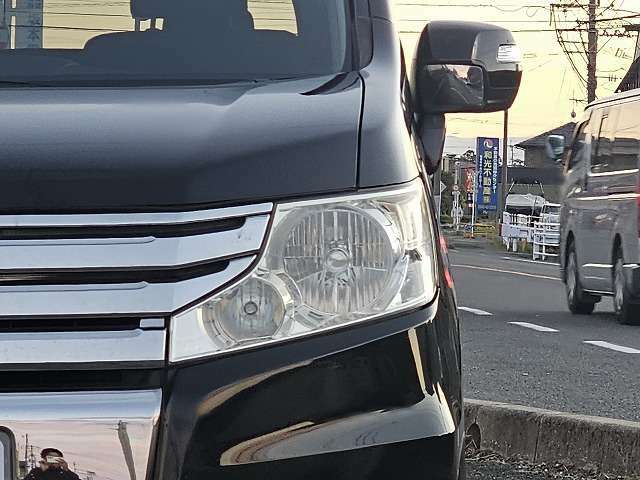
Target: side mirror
<point>554,147</point>
<point>465,67</point>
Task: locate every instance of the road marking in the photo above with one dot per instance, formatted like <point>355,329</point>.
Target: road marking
<point>497,270</point>
<point>533,326</point>
<point>526,260</point>
<point>612,346</point>
<point>476,311</point>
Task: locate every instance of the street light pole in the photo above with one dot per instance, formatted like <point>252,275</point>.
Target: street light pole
<point>456,196</point>
<point>502,204</point>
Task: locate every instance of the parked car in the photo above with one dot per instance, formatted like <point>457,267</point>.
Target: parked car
<point>220,257</point>
<point>524,204</point>
<point>599,216</point>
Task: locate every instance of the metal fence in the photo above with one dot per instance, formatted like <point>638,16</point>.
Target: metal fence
<point>543,233</point>
<point>546,239</point>
<point>516,228</point>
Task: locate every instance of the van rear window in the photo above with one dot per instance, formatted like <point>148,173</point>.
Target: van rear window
<point>626,147</point>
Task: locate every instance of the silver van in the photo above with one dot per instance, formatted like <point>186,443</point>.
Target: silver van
<point>599,216</point>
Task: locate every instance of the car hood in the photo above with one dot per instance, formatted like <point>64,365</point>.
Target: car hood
<point>127,149</point>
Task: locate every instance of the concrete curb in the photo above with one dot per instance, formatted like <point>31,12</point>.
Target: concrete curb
<point>543,436</point>
<point>455,243</point>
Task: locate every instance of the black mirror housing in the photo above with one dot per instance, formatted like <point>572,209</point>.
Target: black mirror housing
<point>465,67</point>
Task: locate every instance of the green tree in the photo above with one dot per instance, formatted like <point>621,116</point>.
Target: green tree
<point>447,198</point>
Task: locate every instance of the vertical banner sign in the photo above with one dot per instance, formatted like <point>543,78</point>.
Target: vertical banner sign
<point>487,174</point>
<point>469,179</point>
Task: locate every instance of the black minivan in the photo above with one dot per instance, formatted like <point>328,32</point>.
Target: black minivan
<point>218,250</point>
<point>600,213</point>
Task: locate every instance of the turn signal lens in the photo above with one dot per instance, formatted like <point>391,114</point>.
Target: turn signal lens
<point>509,53</point>
<point>328,263</point>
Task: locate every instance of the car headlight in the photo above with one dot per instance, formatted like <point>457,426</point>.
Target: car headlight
<point>328,263</point>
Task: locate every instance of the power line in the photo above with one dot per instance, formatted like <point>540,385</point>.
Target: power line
<point>606,21</point>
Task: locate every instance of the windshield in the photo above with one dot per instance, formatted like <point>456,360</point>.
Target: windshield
<point>164,41</point>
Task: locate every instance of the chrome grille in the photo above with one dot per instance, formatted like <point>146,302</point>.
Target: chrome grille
<point>138,265</point>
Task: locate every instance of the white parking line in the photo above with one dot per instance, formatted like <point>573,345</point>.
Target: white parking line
<point>533,326</point>
<point>497,270</point>
<point>476,311</point>
<point>612,346</point>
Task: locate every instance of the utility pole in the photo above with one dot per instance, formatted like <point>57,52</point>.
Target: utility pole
<point>592,52</point>
<point>502,201</point>
<point>456,197</point>
<point>602,19</point>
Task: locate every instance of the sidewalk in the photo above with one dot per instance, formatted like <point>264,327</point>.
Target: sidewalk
<point>459,242</point>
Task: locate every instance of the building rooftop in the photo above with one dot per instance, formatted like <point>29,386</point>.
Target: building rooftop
<point>539,140</point>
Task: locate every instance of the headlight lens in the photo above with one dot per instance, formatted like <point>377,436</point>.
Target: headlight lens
<point>328,263</point>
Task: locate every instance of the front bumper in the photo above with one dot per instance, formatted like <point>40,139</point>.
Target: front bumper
<point>382,400</point>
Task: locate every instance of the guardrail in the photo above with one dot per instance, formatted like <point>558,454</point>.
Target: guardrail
<point>546,239</point>
<point>543,233</point>
<point>516,228</point>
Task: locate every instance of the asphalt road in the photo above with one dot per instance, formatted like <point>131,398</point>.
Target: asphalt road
<point>544,363</point>
<point>492,468</point>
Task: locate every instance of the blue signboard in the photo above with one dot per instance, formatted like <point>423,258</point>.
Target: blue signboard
<point>487,174</point>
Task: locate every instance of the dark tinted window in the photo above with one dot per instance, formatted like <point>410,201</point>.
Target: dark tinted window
<point>602,161</point>
<point>627,142</point>
<point>578,152</point>
<point>159,41</point>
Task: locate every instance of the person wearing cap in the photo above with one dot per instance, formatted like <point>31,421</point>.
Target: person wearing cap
<point>53,466</point>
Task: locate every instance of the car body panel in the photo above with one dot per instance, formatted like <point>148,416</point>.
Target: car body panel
<point>600,199</point>
<point>370,387</point>
<point>373,400</point>
<point>122,149</point>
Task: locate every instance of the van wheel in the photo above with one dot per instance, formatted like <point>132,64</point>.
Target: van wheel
<point>627,313</point>
<point>579,302</point>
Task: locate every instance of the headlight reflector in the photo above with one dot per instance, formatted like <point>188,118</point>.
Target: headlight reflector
<point>339,258</point>
<point>328,263</point>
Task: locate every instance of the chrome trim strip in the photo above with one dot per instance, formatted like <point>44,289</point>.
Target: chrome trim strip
<point>622,196</point>
<point>152,323</point>
<point>114,299</point>
<point>618,172</point>
<point>597,265</point>
<point>124,253</point>
<point>598,292</point>
<point>613,196</point>
<point>81,347</point>
<point>116,219</point>
<point>108,433</point>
